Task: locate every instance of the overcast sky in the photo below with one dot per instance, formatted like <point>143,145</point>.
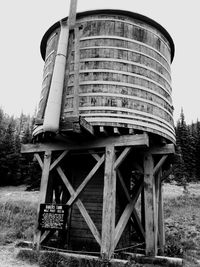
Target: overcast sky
<point>24,22</point>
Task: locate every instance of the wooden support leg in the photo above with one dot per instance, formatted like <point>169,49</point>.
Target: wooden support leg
<point>109,203</point>
<point>161,229</point>
<point>45,193</point>
<point>150,206</point>
<point>142,209</point>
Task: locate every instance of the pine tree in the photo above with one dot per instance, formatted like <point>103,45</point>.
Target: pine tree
<point>197,151</point>
<point>186,142</point>
<point>14,167</point>
<point>179,170</point>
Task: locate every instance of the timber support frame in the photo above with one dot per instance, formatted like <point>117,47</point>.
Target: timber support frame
<point>149,187</point>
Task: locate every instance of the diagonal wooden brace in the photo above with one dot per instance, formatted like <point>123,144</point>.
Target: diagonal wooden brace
<point>84,183</point>
<point>159,164</point>
<point>55,163</point>
<point>135,214</point>
<point>126,214</point>
<point>80,206</point>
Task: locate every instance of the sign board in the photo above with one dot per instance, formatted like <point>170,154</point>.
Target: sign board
<point>53,216</point>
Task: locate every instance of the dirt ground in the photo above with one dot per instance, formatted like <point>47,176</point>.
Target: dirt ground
<point>8,253</point>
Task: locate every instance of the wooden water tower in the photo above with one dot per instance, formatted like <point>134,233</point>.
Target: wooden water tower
<point>105,129</point>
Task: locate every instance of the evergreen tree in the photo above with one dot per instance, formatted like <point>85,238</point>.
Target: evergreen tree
<point>197,151</point>
<point>15,168</point>
<point>179,171</point>
<point>186,142</point>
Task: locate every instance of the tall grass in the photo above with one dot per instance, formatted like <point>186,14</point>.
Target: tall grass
<point>17,220</point>
<point>182,226</point>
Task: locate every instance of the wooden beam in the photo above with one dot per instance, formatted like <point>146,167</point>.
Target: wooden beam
<point>65,180</point>
<point>89,221</point>
<point>44,195</point>
<point>86,125</point>
<point>131,131</point>
<point>80,206</point>
<point>94,154</point>
<point>142,209</point>
<point>76,124</point>
<point>138,222</point>
<point>136,217</point>
<point>109,203</point>
<point>122,156</point>
<point>103,131</point>
<point>162,150</point>
<point>53,165</point>
<point>151,226</point>
<point>161,227</point>
<point>116,131</point>
<point>72,14</point>
<point>155,261</point>
<point>126,214</point>
<point>86,180</point>
<point>159,164</point>
<point>117,141</point>
<point>123,185</point>
<point>38,158</point>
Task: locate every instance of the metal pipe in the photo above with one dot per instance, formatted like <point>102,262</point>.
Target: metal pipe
<point>53,108</point>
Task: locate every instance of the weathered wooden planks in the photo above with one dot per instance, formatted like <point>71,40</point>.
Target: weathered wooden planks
<point>151,226</point>
<point>119,73</point>
<point>45,193</point>
<point>109,202</point>
<point>139,140</point>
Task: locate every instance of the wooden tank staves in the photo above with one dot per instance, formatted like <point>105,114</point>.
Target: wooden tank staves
<point>117,72</point>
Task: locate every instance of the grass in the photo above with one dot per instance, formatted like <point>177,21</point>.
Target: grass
<point>17,220</point>
<point>182,224</point>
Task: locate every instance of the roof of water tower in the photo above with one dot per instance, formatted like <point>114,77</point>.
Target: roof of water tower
<point>110,11</point>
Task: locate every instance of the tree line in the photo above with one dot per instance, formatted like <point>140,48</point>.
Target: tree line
<point>187,160</point>
<point>16,168</point>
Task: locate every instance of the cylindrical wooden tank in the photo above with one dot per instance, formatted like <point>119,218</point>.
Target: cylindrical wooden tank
<point>121,70</point>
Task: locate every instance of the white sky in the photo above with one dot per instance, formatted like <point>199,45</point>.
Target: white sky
<point>24,22</point>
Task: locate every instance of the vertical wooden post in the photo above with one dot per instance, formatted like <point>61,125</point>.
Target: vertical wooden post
<point>109,203</point>
<point>45,193</point>
<point>150,206</point>
<point>72,14</point>
<point>142,209</point>
<point>161,229</point>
